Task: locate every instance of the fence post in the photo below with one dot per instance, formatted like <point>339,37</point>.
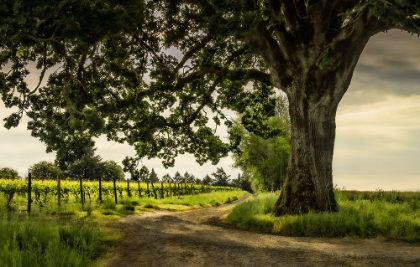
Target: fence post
<point>81,191</point>
<point>115,191</point>
<point>128,188</point>
<point>58,191</point>
<point>100,190</point>
<point>29,192</point>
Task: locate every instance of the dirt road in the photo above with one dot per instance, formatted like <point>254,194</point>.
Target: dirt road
<point>194,239</point>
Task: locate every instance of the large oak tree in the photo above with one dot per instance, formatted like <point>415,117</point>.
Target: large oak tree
<point>108,67</point>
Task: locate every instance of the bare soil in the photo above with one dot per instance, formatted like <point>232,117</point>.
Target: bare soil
<point>197,238</point>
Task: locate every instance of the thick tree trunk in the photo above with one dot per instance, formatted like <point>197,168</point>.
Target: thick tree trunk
<point>308,185</point>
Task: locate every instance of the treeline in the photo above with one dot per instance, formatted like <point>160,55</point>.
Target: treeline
<point>92,169</point>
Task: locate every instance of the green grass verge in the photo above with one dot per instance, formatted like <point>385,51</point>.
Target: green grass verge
<point>42,241</point>
<point>76,235</point>
<point>361,215</point>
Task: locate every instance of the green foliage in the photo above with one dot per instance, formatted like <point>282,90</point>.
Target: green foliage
<point>189,178</point>
<point>8,173</point>
<point>264,161</point>
<point>88,166</point>
<point>117,76</point>
<point>13,194</point>
<point>153,176</point>
<point>220,177</point>
<point>45,170</point>
<point>207,180</point>
<point>242,183</point>
<point>112,170</point>
<point>167,178</point>
<point>361,214</point>
<point>178,178</point>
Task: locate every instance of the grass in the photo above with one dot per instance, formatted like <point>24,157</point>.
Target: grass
<point>76,235</point>
<point>392,215</point>
<point>43,241</point>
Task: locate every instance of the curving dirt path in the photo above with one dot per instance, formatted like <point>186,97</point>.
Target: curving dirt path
<point>194,238</point>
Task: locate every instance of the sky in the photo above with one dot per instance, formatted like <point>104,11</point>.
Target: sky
<point>377,142</point>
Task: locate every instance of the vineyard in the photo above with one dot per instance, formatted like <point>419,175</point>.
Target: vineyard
<point>49,192</point>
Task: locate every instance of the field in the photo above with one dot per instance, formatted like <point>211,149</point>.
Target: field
<point>69,233</point>
<point>389,214</point>
<point>45,193</point>
<point>72,232</point>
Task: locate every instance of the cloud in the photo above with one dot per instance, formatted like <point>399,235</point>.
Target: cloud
<point>390,63</point>
<point>378,145</point>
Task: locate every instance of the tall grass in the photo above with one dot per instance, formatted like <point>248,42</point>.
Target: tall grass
<point>75,234</point>
<point>39,241</point>
<point>361,214</point>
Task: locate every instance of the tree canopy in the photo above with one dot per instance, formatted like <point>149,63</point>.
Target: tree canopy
<point>264,161</point>
<point>45,170</point>
<point>220,177</point>
<point>112,170</point>
<point>154,74</point>
<point>8,173</point>
<point>88,166</point>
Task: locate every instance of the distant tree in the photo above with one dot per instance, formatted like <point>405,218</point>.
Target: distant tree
<point>242,183</point>
<point>207,180</point>
<point>236,182</point>
<point>87,167</point>
<point>220,177</point>
<point>144,174</point>
<point>178,178</point>
<point>153,177</point>
<point>189,178</point>
<point>167,178</point>
<point>8,173</point>
<point>45,170</point>
<point>111,170</point>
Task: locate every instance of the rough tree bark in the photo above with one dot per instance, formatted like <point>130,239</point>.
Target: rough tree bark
<point>313,65</point>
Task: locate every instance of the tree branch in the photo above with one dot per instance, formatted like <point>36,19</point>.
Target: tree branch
<point>191,52</point>
<point>205,100</point>
<point>248,74</point>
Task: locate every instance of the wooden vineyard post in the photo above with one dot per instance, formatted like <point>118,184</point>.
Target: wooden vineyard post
<point>128,188</point>
<point>58,191</point>
<point>29,192</point>
<point>81,190</point>
<point>100,190</point>
<point>163,193</point>
<point>154,191</point>
<point>139,188</point>
<point>115,191</point>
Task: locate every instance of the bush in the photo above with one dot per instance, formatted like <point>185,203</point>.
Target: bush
<point>8,173</point>
<point>45,170</point>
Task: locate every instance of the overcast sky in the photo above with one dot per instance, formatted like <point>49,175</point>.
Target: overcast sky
<point>378,125</point>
